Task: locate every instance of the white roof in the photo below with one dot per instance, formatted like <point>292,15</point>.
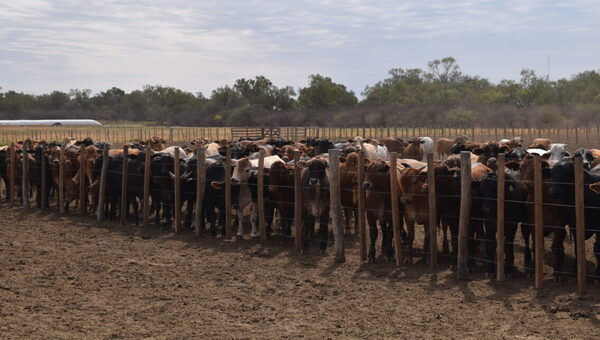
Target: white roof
<point>49,122</point>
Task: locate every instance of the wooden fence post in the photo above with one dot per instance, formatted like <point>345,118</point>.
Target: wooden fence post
<point>171,134</point>
<point>261,198</point>
<point>61,179</point>
<point>297,201</point>
<point>465,214</point>
<point>44,201</point>
<point>228,217</point>
<point>25,176</point>
<point>124,199</point>
<point>82,183</point>
<point>146,202</point>
<point>500,238</point>
<point>395,208</point>
<point>200,184</point>
<point>177,190</point>
<point>433,221</point>
<point>539,222</point>
<point>361,205</point>
<point>103,182</point>
<point>580,226</point>
<point>336,204</point>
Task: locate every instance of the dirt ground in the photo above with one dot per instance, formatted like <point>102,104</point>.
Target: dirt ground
<point>75,278</point>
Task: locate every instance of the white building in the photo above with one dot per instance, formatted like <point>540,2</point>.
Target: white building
<point>49,122</point>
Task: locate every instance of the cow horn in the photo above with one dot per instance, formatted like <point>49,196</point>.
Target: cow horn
<point>186,174</point>
<point>171,174</point>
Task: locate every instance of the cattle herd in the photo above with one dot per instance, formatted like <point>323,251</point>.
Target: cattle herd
<point>280,155</point>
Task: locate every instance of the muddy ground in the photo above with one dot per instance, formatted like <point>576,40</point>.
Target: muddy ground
<point>76,278</point>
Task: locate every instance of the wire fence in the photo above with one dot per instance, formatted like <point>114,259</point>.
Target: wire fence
<point>363,201</point>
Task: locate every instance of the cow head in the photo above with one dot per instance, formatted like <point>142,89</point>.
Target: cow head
<point>317,172</point>
<point>411,184</point>
<point>241,172</point>
<point>376,175</point>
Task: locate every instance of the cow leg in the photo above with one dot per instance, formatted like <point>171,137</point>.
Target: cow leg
<point>156,208</point>
<point>410,227</point>
<point>136,214</point>
<point>324,230</point>
<point>348,219</point>
<point>387,238</point>
<point>188,215</point>
<point>490,248</point>
<point>558,249</point>
<point>254,221</point>
<point>510,231</point>
<point>269,217</point>
<point>240,219</point>
<point>373,236</point>
<point>444,225</point>
<point>527,257</point>
<point>426,249</point>
<point>308,227</point>
<point>597,255</point>
<point>475,232</point>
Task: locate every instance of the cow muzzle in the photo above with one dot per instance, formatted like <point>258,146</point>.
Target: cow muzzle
<point>235,181</point>
<point>367,185</point>
<point>314,182</point>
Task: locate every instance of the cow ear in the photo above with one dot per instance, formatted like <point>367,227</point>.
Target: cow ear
<point>342,159</point>
<point>477,151</point>
<point>216,185</point>
<point>595,187</point>
<point>546,156</point>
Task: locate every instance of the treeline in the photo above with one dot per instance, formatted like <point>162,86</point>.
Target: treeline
<point>440,95</point>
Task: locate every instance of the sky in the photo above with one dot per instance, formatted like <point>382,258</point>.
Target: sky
<point>201,45</point>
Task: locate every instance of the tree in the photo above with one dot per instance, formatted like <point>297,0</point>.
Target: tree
<point>446,72</point>
<point>323,93</point>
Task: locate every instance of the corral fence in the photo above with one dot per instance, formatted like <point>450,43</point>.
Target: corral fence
<point>578,135</point>
<point>431,250</point>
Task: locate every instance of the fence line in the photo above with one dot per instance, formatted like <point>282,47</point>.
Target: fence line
<point>122,134</point>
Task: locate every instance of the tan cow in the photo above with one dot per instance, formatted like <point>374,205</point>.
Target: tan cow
<point>541,143</point>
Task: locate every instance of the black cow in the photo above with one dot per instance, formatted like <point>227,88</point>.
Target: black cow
<point>4,171</point>
<point>315,201</point>
<point>587,156</point>
<point>516,154</point>
<point>36,174</point>
<point>214,195</point>
<point>135,182</point>
<point>563,175</point>
<point>514,212</point>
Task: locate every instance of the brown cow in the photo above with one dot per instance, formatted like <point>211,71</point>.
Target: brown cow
<point>282,185</point>
<point>348,190</point>
<point>443,147</point>
<point>414,150</point>
<point>541,143</point>
<point>155,143</point>
<point>394,145</point>
<point>415,206</point>
<point>378,206</point>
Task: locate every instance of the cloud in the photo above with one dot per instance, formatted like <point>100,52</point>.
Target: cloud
<point>199,46</point>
